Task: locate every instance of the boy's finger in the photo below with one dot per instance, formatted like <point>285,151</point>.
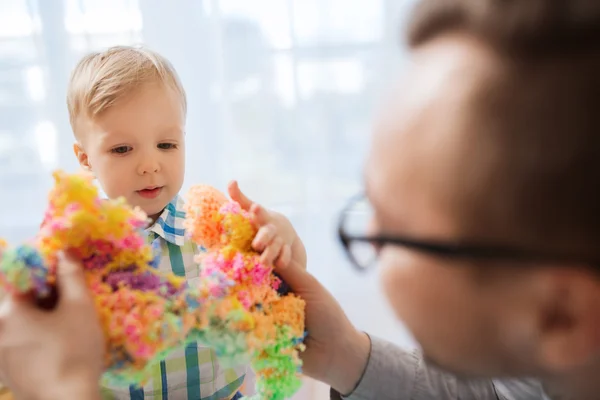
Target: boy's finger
<point>236,195</point>
<point>272,251</point>
<point>284,257</point>
<point>260,216</point>
<point>264,236</point>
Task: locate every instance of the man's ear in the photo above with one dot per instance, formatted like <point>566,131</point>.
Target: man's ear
<point>82,157</point>
<point>569,329</point>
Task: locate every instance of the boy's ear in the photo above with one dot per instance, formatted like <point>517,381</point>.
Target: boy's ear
<point>82,157</point>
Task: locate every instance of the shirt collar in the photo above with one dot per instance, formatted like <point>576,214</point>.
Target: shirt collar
<point>169,225</point>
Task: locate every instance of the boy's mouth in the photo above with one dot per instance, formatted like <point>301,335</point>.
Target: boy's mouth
<point>150,192</point>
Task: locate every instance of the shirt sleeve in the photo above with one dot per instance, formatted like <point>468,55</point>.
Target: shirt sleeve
<point>394,374</point>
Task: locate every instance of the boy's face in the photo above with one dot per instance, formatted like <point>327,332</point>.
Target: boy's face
<point>490,320</point>
<point>136,148</point>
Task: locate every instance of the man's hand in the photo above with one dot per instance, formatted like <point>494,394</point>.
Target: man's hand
<point>336,352</point>
<point>52,354</point>
<point>276,239</point>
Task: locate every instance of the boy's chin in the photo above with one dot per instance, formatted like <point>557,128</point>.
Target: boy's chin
<point>154,215</point>
<point>154,212</point>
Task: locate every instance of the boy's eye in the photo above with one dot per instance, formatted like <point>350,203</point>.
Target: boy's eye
<point>121,149</point>
<point>167,146</point>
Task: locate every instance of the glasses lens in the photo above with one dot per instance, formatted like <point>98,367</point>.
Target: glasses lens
<point>363,254</point>
<point>358,222</point>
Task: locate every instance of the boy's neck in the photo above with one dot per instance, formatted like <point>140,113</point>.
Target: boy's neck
<point>153,218</point>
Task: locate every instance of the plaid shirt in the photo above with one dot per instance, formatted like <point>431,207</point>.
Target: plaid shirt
<point>192,373</point>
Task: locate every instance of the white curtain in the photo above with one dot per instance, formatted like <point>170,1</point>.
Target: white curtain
<point>281,97</point>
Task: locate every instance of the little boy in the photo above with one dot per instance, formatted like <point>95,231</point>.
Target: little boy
<point>127,109</point>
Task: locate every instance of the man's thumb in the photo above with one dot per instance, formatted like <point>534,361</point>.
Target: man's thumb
<point>298,279</point>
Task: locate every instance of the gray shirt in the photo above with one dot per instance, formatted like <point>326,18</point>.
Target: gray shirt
<point>395,374</point>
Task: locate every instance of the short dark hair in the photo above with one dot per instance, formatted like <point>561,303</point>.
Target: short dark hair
<point>541,116</point>
<point>533,27</point>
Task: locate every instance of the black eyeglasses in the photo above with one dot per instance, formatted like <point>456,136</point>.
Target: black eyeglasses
<point>362,249</point>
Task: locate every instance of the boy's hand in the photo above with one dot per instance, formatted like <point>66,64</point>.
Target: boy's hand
<point>336,352</point>
<point>276,239</point>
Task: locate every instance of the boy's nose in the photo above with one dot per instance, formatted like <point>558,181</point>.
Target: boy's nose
<point>148,166</point>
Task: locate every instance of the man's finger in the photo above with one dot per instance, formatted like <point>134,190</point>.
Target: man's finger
<point>236,195</point>
<point>71,280</point>
<point>300,281</point>
<point>15,314</point>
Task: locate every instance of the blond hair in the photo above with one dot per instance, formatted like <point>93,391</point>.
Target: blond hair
<point>101,79</point>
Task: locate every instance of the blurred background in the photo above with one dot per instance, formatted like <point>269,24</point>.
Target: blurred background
<point>281,95</point>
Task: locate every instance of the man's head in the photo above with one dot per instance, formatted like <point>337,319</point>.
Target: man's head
<point>493,136</point>
<point>127,109</point>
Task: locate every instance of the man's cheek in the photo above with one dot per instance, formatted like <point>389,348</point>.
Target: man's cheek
<point>398,280</point>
